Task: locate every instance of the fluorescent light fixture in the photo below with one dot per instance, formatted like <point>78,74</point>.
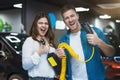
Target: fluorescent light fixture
<point>109,5</point>
<point>81,9</point>
<point>18,5</point>
<point>117,21</point>
<point>104,16</point>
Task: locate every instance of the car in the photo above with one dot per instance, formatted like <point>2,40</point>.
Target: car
<point>112,67</point>
<point>11,56</point>
<point>112,64</point>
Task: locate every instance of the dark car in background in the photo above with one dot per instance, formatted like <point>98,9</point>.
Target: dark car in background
<point>11,56</point>
<point>112,64</point>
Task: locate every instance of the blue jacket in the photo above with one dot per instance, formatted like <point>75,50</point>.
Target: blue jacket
<point>95,68</point>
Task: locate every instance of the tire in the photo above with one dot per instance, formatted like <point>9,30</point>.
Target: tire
<point>16,77</point>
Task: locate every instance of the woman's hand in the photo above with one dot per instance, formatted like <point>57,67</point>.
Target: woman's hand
<point>44,48</point>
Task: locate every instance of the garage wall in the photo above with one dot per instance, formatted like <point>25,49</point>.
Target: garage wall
<point>12,17</point>
<point>33,7</point>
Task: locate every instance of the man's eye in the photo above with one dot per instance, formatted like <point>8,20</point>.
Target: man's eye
<point>66,18</point>
<point>72,15</point>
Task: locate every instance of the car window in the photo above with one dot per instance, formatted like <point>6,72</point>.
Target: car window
<point>115,42</point>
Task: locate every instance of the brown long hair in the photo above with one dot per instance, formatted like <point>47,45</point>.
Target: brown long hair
<point>34,32</point>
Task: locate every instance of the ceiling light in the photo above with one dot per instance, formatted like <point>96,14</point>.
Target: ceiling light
<point>81,9</point>
<point>109,6</point>
<point>104,16</point>
<point>117,21</point>
<point>18,5</point>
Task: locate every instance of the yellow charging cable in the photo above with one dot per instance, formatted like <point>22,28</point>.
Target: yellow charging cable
<point>73,54</point>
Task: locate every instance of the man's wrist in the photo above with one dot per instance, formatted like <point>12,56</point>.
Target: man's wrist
<point>99,42</point>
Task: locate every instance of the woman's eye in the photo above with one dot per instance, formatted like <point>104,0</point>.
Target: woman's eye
<point>46,23</point>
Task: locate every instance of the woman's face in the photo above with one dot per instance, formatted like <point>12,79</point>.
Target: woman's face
<point>42,26</point>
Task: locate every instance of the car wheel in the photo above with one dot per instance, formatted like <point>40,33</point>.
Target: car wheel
<point>16,77</point>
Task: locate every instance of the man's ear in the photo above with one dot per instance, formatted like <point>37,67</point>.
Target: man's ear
<point>77,15</point>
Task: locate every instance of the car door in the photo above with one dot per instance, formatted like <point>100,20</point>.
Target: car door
<point>3,57</point>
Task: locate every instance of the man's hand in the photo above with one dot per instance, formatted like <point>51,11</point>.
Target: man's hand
<point>93,38</point>
<point>60,52</point>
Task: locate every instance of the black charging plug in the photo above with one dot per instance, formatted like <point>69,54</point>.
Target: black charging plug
<point>87,28</point>
<point>42,42</point>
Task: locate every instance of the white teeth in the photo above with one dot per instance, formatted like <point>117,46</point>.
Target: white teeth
<point>72,23</point>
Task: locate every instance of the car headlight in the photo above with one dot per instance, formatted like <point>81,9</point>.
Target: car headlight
<point>117,59</point>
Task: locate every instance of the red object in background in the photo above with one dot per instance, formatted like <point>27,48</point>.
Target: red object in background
<point>112,64</point>
<point>112,68</point>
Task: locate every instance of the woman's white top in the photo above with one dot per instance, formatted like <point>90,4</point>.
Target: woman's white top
<point>36,65</point>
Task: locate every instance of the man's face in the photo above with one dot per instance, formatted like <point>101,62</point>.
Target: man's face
<point>70,18</point>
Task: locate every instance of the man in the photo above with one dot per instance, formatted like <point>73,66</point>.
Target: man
<point>81,43</point>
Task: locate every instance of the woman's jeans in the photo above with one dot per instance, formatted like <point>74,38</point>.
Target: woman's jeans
<point>42,78</point>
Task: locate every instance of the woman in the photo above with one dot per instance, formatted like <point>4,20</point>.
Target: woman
<point>34,53</point>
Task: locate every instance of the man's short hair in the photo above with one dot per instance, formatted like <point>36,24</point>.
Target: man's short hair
<point>66,8</point>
